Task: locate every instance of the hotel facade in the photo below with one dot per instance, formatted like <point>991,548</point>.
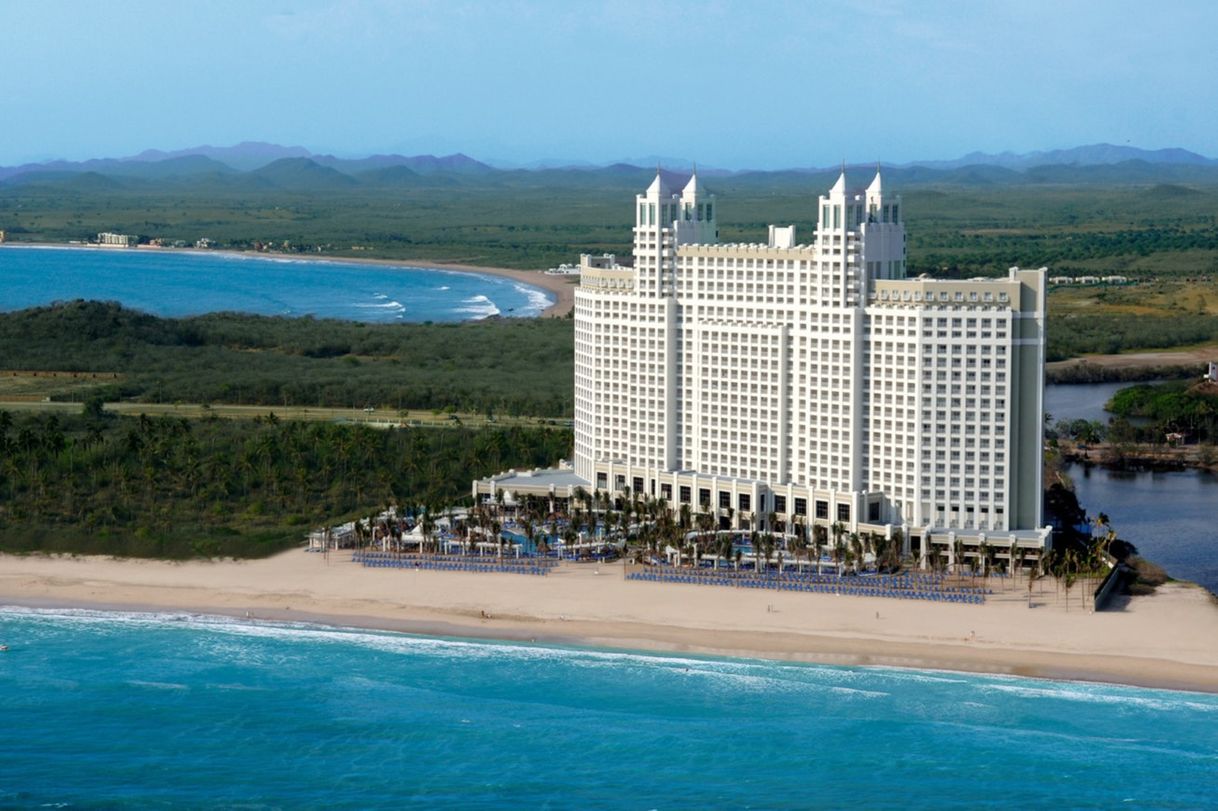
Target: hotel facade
<point>785,384</point>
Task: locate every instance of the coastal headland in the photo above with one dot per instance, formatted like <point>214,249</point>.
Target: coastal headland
<point>1164,640</point>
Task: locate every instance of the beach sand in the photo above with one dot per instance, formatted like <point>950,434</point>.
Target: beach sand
<point>1167,640</point>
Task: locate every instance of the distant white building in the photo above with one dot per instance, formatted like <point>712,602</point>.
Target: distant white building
<point>788,385</point>
<point>117,240</point>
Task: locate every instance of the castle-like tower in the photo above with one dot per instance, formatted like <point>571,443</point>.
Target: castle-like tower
<point>787,384</point>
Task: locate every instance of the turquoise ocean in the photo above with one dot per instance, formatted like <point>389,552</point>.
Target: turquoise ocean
<point>119,710</point>
<point>174,283</point>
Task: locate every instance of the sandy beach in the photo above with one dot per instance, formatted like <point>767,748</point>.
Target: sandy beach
<point>1165,640</point>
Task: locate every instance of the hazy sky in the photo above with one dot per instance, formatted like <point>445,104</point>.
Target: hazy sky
<point>733,84</point>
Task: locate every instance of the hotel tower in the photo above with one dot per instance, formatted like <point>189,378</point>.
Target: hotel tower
<point>789,383</point>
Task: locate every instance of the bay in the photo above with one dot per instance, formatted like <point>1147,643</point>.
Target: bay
<point>184,283</point>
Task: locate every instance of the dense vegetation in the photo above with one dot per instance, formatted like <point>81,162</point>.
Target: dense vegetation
<point>959,224</point>
<point>174,488</point>
<point>1072,335</point>
<point>1180,406</point>
<point>513,366</point>
<point>1085,372</point>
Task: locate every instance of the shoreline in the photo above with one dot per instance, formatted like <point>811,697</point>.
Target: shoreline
<point>1137,457</point>
<point>1162,641</point>
<point>557,287</point>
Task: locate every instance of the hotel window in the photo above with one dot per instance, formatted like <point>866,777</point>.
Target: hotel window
<point>745,502</point>
<point>822,509</point>
<point>780,504</point>
<point>725,500</point>
<point>801,506</point>
<point>684,493</point>
<point>704,497</point>
<point>637,485</point>
<point>666,492</point>
<point>843,512</point>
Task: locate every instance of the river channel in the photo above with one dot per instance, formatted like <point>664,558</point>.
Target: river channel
<point>1169,516</point>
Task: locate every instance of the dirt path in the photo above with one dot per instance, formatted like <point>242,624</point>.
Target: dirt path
<point>375,418</point>
<point>1131,360</point>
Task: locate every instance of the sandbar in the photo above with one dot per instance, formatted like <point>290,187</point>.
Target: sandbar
<point>1166,640</point>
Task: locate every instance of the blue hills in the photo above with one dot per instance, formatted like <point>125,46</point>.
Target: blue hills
<point>258,166</point>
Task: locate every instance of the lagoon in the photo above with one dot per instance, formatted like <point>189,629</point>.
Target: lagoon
<point>1168,515</point>
<point>184,283</point>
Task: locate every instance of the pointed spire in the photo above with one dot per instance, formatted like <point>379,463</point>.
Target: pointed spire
<point>691,188</point>
<point>876,186</point>
<point>840,186</point>
<point>658,186</point>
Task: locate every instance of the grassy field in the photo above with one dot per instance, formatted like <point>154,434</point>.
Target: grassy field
<point>367,417</point>
<point>38,385</point>
<point>1161,313</point>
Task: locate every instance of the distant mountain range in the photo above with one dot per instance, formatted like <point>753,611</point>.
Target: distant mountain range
<point>254,166</point>
<point>1093,155</point>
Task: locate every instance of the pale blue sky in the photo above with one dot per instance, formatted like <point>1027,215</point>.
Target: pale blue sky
<point>734,84</point>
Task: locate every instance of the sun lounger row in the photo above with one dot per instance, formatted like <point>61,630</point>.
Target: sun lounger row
<point>910,581</point>
<point>457,565</point>
<point>372,557</point>
<point>939,596</point>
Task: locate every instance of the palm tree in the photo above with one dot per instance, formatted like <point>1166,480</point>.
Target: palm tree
<point>1069,571</point>
<point>798,545</point>
<point>820,539</point>
<point>880,544</point>
<point>705,521</point>
<point>839,552</point>
<point>428,525</point>
<point>724,548</point>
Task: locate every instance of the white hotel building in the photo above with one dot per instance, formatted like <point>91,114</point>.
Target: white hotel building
<point>809,383</point>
